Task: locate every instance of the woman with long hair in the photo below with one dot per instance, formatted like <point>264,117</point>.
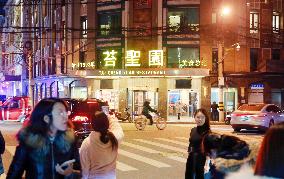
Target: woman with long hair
<point>271,156</point>
<point>196,158</point>
<point>46,144</point>
<point>99,150</point>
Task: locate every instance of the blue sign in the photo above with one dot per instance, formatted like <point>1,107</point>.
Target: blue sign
<point>257,86</point>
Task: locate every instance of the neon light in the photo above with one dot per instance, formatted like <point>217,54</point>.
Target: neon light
<point>132,58</point>
<point>83,65</point>
<point>110,58</point>
<point>156,57</point>
<point>193,63</point>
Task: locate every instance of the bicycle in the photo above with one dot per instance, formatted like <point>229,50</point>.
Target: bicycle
<point>140,121</point>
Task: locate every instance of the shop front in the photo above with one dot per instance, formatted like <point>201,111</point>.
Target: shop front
<point>163,87</point>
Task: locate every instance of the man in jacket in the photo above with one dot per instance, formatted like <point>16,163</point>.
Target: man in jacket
<point>146,109</point>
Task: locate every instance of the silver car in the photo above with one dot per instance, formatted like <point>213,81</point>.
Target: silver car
<point>256,116</point>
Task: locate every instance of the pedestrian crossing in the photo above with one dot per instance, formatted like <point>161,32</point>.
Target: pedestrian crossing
<point>156,153</point>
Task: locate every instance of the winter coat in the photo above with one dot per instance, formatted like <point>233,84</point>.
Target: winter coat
<point>179,107</point>
<point>97,158</point>
<point>38,155</point>
<point>147,108</point>
<point>2,149</point>
<point>228,162</point>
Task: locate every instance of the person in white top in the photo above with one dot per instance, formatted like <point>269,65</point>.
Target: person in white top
<point>98,153</point>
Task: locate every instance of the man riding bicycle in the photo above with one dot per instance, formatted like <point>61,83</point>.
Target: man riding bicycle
<point>146,109</point>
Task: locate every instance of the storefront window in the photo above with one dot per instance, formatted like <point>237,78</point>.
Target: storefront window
<point>188,99</point>
<point>79,92</point>
<point>183,58</point>
<point>183,20</point>
<point>109,24</point>
<point>111,96</point>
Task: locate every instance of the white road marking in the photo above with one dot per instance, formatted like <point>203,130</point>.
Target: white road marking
<point>123,167</point>
<point>11,149</point>
<point>140,158</point>
<point>177,158</point>
<point>139,147</point>
<point>183,138</point>
<point>173,141</point>
<point>162,145</point>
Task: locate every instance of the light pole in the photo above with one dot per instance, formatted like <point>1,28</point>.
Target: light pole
<point>28,51</point>
<point>221,81</point>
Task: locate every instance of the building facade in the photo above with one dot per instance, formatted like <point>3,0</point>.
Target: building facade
<point>165,50</point>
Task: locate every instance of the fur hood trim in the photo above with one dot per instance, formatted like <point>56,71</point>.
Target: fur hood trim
<point>41,144</point>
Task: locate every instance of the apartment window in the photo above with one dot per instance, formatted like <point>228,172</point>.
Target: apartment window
<point>275,54</point>
<point>253,59</point>
<point>214,60</point>
<point>84,26</point>
<point>82,59</point>
<point>183,57</point>
<point>183,19</point>
<point>254,22</point>
<point>109,24</point>
<point>275,22</point>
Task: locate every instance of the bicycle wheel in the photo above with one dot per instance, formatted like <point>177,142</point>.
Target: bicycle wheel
<point>140,123</point>
<point>161,123</point>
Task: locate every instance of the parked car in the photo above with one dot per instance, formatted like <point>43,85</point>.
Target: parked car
<point>256,116</point>
<point>15,108</point>
<point>81,114</point>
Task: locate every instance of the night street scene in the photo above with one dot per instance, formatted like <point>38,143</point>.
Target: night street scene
<point>142,89</point>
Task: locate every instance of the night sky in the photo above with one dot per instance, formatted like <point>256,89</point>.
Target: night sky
<point>2,4</point>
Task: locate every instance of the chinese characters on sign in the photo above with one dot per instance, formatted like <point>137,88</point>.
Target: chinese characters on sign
<point>83,65</point>
<point>132,58</point>
<point>110,58</point>
<point>156,57</point>
<point>193,63</point>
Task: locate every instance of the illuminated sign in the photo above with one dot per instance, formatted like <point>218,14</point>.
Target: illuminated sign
<point>110,58</point>
<point>192,63</point>
<point>132,58</point>
<point>257,86</point>
<point>156,57</point>
<point>132,72</point>
<point>83,65</point>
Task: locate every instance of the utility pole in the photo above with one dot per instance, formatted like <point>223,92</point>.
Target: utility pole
<point>221,81</point>
<point>28,52</point>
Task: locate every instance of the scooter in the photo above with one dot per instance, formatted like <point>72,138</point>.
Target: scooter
<point>127,115</point>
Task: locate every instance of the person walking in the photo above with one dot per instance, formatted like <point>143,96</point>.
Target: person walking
<point>99,150</point>
<point>196,158</point>
<point>46,144</point>
<point>214,111</point>
<point>2,149</point>
<point>178,107</point>
<point>146,109</point>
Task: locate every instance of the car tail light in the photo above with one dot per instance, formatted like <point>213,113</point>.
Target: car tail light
<point>242,114</point>
<point>80,119</point>
<point>260,115</point>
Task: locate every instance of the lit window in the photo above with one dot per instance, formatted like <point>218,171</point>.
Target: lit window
<point>275,22</point>
<point>214,17</point>
<point>254,22</point>
<point>84,26</point>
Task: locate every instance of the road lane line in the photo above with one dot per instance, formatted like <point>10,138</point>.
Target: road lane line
<point>140,158</point>
<point>139,147</point>
<point>11,149</point>
<point>173,141</point>
<point>123,167</point>
<point>162,145</point>
<point>177,158</point>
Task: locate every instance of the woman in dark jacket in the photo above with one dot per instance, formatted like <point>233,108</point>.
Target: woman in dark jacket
<point>196,158</point>
<point>45,144</point>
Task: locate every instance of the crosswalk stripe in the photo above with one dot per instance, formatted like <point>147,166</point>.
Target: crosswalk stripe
<point>162,145</point>
<point>11,149</point>
<point>140,158</point>
<point>123,167</point>
<point>177,158</point>
<point>173,141</point>
<point>139,147</point>
<point>183,138</point>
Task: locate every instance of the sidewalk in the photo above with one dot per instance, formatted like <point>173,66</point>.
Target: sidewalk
<point>188,120</point>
